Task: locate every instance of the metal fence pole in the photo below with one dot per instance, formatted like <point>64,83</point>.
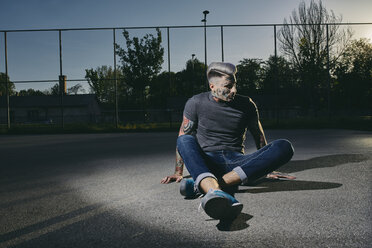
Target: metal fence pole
<point>328,75</point>
<point>169,63</point>
<point>116,81</point>
<point>60,77</point>
<point>7,82</point>
<point>276,80</point>
<point>205,50</point>
<point>223,57</point>
<point>170,76</point>
<point>205,12</point>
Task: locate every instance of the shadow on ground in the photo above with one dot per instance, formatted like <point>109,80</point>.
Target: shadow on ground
<point>238,224</point>
<point>265,185</point>
<point>277,185</point>
<point>274,185</point>
<point>107,228</point>
<point>322,162</point>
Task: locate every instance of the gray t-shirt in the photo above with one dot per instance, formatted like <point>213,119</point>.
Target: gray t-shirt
<point>220,125</point>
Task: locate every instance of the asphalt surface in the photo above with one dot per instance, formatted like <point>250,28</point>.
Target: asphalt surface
<point>103,190</point>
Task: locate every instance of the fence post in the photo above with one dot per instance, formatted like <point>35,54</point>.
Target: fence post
<point>116,82</point>
<point>223,57</point>
<point>61,78</point>
<point>328,75</point>
<point>205,50</point>
<point>7,83</point>
<point>169,74</point>
<point>276,80</point>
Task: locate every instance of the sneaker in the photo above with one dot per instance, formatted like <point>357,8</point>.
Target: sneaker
<point>220,205</point>
<point>187,188</point>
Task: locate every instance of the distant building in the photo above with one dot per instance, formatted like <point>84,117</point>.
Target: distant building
<point>47,109</point>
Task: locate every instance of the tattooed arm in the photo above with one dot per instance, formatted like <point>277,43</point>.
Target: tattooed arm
<point>187,128</point>
<point>257,132</point>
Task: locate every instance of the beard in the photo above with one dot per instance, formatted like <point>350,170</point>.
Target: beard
<point>224,95</point>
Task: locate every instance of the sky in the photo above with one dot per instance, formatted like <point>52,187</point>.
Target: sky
<point>35,55</point>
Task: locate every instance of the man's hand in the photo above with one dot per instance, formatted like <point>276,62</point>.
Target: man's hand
<point>171,178</point>
<point>278,175</point>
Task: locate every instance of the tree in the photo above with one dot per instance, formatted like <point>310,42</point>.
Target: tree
<point>30,92</point>
<point>190,80</point>
<point>54,90</point>
<point>101,82</point>
<point>278,73</point>
<point>249,75</point>
<point>75,89</point>
<point>141,62</point>
<point>11,87</point>
<point>353,84</point>
<point>160,89</point>
<point>303,39</point>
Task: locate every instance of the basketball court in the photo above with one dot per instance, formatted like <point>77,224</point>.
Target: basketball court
<point>103,190</point>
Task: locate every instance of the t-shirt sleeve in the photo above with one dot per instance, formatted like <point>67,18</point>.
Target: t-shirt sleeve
<point>190,110</point>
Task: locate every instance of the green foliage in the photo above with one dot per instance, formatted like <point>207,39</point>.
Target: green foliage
<point>30,92</point>
<point>306,45</point>
<point>278,73</point>
<point>54,90</point>
<point>303,76</point>
<point>160,90</point>
<point>74,90</point>
<point>353,86</point>
<point>11,87</point>
<point>357,58</point>
<point>138,79</point>
<point>101,82</point>
<point>190,80</point>
<point>141,62</point>
<point>249,75</point>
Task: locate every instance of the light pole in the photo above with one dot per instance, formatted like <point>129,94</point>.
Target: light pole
<point>192,60</point>
<point>193,77</point>
<point>205,12</point>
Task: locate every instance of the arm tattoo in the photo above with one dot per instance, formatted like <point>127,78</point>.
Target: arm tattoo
<point>179,164</point>
<point>257,132</point>
<point>262,140</point>
<point>187,127</point>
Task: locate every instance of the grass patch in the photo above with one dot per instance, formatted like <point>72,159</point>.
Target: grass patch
<point>361,123</point>
<point>87,128</point>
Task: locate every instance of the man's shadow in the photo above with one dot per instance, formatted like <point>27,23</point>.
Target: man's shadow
<point>238,224</point>
<point>265,185</point>
<point>322,162</point>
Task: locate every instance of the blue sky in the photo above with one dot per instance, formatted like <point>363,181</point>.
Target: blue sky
<point>34,56</point>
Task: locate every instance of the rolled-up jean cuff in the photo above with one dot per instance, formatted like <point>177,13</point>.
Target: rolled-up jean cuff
<point>201,177</point>
<point>241,173</point>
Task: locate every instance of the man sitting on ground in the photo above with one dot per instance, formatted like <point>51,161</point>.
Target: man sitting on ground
<point>211,145</point>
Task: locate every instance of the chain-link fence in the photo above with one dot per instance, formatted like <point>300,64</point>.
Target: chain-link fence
<point>77,76</point>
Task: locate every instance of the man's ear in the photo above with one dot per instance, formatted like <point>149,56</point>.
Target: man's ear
<point>211,86</point>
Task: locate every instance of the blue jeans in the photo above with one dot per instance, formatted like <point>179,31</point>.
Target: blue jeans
<point>215,164</point>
